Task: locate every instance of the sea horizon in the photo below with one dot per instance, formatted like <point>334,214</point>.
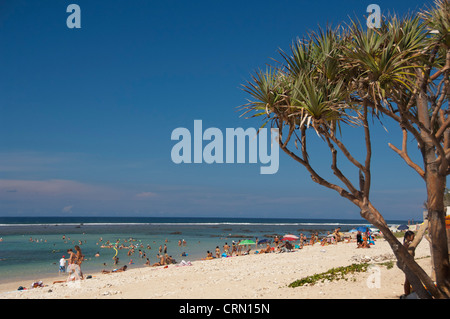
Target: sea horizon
<point>96,220</point>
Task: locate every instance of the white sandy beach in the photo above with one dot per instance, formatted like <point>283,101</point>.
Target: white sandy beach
<point>242,277</point>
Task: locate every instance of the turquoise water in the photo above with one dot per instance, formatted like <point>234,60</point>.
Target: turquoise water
<point>31,247</point>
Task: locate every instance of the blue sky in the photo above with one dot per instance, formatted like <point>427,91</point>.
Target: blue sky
<point>86,114</point>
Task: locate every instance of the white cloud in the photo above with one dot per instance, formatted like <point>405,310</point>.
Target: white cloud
<point>13,189</point>
<point>146,195</point>
<point>67,209</point>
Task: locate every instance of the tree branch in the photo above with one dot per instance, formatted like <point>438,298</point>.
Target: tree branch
<point>337,172</point>
<point>367,174</point>
<point>404,154</point>
<point>314,175</point>
<point>345,151</point>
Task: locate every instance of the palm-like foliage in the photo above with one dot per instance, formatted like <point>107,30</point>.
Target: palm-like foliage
<point>307,88</point>
<point>438,22</point>
<point>266,91</point>
<point>382,62</point>
<point>320,103</point>
<point>328,70</point>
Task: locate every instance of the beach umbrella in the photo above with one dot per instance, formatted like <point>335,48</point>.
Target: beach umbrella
<point>247,242</point>
<point>262,241</point>
<point>290,237</point>
<point>403,227</point>
<point>354,230</point>
<point>362,228</point>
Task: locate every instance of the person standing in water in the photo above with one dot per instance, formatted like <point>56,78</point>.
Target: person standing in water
<point>79,258</point>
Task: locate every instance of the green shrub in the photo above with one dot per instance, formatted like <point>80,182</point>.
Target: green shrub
<point>332,274</point>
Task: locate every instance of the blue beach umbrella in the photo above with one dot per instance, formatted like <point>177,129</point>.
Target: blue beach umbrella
<point>403,227</point>
<point>353,230</point>
<point>262,241</point>
<point>362,228</point>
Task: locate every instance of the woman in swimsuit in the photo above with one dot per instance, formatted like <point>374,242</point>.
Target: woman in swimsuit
<point>79,258</point>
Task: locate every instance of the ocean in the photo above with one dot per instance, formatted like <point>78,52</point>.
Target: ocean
<point>30,247</point>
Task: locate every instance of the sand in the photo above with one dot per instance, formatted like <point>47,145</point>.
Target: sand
<point>264,276</point>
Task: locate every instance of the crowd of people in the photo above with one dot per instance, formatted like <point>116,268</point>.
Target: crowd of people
<point>162,257</point>
<point>279,245</point>
<point>71,263</point>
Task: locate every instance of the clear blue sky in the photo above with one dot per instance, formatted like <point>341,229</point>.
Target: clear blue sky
<point>86,114</point>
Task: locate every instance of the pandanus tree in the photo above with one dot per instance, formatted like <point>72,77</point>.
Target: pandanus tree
<point>349,76</point>
<point>403,72</point>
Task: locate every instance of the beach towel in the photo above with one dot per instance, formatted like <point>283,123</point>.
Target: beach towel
<point>184,263</point>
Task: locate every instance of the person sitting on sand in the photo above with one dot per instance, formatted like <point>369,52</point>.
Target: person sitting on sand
<point>161,262</point>
<point>289,246</point>
<point>209,255</point>
<point>122,269</point>
<point>359,240</point>
<point>217,252</point>
<point>74,272</point>
<point>337,234</point>
<point>265,251</point>
<point>364,244</point>
<point>169,260</point>
<point>286,247</point>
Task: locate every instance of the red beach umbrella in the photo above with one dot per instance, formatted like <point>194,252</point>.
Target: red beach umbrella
<point>290,237</point>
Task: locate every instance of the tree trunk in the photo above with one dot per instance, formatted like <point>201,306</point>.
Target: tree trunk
<point>435,182</point>
<point>437,231</point>
<point>415,274</point>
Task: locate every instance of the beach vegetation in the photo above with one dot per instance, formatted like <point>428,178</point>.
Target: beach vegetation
<point>351,79</point>
<point>389,264</point>
<point>333,274</point>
